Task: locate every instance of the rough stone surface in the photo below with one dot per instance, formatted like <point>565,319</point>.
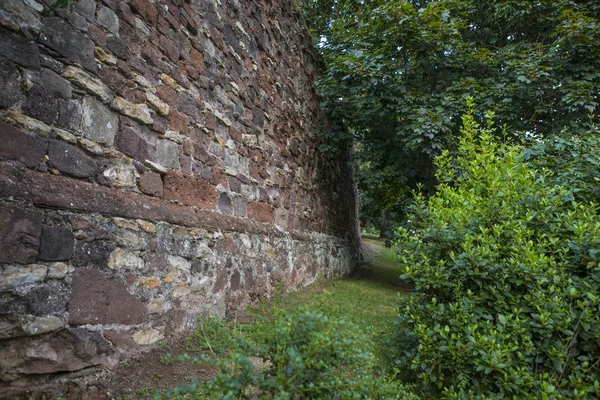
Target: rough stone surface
<point>174,144</point>
<point>19,146</point>
<point>124,176</point>
<point>92,253</point>
<point>122,259</point>
<point>148,336</point>
<point>55,83</point>
<point>49,298</point>
<point>151,184</point>
<point>138,112</point>
<point>13,276</point>
<point>89,83</point>
<point>56,244</point>
<point>224,204</point>
<point>18,49</point>
<point>70,115</point>
<point>10,84</point>
<point>70,160</point>
<point>41,104</point>
<point>167,154</point>
<point>67,350</point>
<point>99,123</point>
<point>137,142</point>
<point>73,45</point>
<point>20,231</point>
<point>261,212</point>
<point>98,299</point>
<point>41,325</point>
<point>108,19</point>
<point>189,190</point>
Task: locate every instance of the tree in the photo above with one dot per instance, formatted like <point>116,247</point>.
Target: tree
<point>398,73</point>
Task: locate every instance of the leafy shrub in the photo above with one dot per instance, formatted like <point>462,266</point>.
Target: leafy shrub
<point>505,266</point>
<point>299,355</point>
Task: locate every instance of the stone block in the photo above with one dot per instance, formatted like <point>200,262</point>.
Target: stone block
<point>59,352</point>
<point>20,231</point>
<point>137,142</point>
<point>70,115</point>
<point>224,204</point>
<point>41,104</point>
<point>54,83</point>
<point>108,18</point>
<point>124,176</point>
<point>100,299</point>
<point>18,49</point>
<point>94,253</point>
<point>167,154</point>
<point>239,207</point>
<point>189,190</point>
<point>21,14</point>
<point>179,122</point>
<point>119,48</point>
<point>147,336</point>
<point>139,112</point>
<point>99,123</point>
<point>75,46</point>
<point>15,275</point>
<point>19,146</point>
<point>85,8</point>
<point>78,21</point>
<point>10,84</point>
<point>151,184</point>
<point>260,211</point>
<point>41,325</point>
<point>146,9</point>
<point>122,259</point>
<point>70,160</point>
<point>56,244</point>
<point>89,83</point>
<point>50,298</point>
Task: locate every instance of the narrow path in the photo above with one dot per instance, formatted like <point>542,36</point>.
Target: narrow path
<point>379,264</point>
<point>368,299</point>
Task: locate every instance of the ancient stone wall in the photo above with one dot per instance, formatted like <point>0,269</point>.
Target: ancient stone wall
<point>158,161</point>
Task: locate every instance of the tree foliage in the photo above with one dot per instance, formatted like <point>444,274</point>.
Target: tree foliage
<point>398,73</point>
<point>505,265</point>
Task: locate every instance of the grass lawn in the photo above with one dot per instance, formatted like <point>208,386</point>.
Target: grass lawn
<point>371,301</point>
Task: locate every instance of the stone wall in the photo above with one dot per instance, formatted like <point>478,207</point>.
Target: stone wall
<point>158,162</point>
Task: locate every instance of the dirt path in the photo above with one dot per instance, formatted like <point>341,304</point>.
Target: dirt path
<point>379,264</point>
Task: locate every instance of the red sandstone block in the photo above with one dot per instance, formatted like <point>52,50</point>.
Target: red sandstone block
<point>146,9</point>
<point>189,190</point>
<point>260,211</point>
<point>167,95</point>
<point>179,122</point>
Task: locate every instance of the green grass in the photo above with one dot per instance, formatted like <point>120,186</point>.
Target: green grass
<point>369,236</point>
<point>388,257</point>
<point>371,302</point>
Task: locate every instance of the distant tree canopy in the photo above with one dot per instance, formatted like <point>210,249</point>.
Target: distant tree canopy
<point>398,73</point>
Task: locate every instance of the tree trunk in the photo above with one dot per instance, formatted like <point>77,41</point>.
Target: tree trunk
<point>368,225</point>
<point>385,224</point>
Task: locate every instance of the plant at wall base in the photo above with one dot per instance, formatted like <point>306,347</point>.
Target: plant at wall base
<point>299,354</point>
<point>505,266</point>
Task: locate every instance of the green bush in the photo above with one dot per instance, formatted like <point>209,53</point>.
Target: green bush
<point>298,355</point>
<point>505,266</point>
